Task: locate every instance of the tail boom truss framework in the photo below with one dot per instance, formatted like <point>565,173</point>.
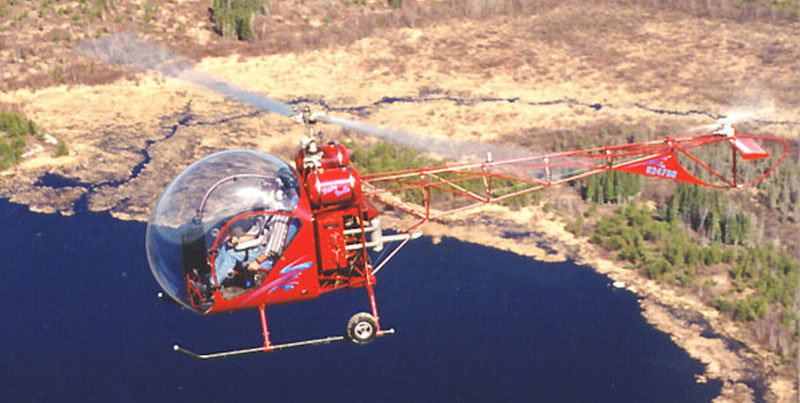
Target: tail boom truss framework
<point>655,158</point>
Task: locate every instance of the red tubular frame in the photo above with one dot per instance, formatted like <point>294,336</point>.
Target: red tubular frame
<point>590,161</point>
<point>264,330</point>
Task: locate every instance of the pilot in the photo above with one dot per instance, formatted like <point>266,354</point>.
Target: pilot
<point>256,249</point>
<point>245,248</point>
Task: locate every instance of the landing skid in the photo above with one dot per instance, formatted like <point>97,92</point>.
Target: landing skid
<point>274,347</point>
<point>362,328</point>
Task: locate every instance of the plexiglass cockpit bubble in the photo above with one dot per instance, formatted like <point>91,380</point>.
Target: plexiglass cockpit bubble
<point>196,206</point>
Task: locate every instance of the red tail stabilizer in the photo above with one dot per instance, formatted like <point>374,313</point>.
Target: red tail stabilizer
<point>664,165</point>
<point>750,149</point>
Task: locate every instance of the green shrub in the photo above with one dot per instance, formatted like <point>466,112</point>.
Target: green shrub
<point>148,13</point>
<point>7,155</point>
<point>721,304</point>
<point>614,242</point>
<point>61,149</point>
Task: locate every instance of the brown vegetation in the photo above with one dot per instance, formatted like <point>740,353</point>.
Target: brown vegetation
<point>37,38</point>
<point>772,11</point>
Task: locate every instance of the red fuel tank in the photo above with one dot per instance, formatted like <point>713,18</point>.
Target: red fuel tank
<point>327,187</point>
<point>334,155</point>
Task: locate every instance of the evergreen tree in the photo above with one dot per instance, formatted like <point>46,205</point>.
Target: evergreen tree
<point>607,182</point>
<point>672,210</point>
<point>590,190</point>
<point>235,17</point>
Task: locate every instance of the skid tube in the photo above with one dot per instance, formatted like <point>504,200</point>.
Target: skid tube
<point>263,349</point>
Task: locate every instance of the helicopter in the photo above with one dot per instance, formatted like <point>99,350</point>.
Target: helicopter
<point>243,229</point>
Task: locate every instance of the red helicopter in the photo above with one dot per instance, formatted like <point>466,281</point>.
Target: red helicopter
<point>244,229</point>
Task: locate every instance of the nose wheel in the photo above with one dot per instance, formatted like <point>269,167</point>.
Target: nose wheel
<point>362,328</point>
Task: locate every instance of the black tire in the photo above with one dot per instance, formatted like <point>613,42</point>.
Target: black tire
<point>362,328</point>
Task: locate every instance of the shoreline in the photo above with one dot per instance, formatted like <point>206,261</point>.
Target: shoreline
<point>748,372</point>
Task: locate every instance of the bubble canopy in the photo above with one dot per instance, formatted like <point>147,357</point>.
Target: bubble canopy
<point>189,213</point>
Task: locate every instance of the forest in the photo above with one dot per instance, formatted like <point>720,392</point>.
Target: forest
<point>15,130</point>
<point>689,240</point>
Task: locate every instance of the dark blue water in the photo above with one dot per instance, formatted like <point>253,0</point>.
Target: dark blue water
<point>81,322</point>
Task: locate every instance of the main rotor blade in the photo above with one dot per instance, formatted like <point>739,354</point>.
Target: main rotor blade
<point>444,146</point>
<point>247,97</point>
<point>140,54</point>
<point>455,149</point>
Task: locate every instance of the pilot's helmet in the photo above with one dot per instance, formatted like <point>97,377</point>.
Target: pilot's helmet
<point>237,231</point>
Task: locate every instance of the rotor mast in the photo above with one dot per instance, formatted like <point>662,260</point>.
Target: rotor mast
<point>312,153</point>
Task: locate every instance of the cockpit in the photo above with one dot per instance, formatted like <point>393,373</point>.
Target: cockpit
<point>221,225</point>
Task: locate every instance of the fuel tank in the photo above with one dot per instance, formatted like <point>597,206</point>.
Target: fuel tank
<point>333,186</point>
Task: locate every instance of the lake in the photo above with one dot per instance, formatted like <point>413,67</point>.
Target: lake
<point>81,322</point>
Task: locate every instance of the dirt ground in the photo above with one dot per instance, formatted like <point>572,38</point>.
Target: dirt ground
<point>515,79</point>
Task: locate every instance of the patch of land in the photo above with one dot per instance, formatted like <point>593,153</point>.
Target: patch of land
<point>514,78</point>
